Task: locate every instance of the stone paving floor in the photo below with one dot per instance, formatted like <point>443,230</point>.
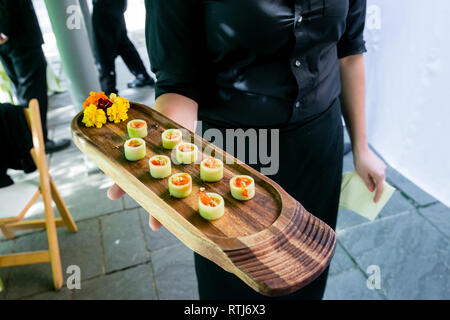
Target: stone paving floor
<point>121,258</point>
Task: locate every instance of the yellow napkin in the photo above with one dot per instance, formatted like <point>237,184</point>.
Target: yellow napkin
<point>356,197</point>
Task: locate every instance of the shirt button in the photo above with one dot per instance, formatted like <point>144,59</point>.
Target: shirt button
<point>300,19</point>
<point>298,63</point>
<point>297,104</point>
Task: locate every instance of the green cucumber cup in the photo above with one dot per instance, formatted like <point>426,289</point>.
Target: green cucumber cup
<point>160,166</point>
<point>137,128</point>
<point>211,170</point>
<point>134,149</point>
<point>180,185</point>
<point>242,187</point>
<point>171,138</point>
<point>213,208</point>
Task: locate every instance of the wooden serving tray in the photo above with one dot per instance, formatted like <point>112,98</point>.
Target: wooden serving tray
<point>270,242</point>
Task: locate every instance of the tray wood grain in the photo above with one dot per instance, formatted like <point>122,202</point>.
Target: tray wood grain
<point>270,242</point>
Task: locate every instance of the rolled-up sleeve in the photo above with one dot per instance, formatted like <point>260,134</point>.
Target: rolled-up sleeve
<point>173,36</point>
<point>352,41</point>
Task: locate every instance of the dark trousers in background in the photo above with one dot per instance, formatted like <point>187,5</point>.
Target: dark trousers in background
<point>26,67</point>
<point>111,40</point>
<point>310,170</point>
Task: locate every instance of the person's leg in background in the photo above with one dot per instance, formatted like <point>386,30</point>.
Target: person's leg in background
<point>106,28</point>
<point>27,69</point>
<point>111,40</point>
<point>8,66</point>
<point>134,62</point>
<point>30,66</point>
<point>107,74</point>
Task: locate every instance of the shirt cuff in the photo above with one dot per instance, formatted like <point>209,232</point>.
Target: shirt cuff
<point>173,83</point>
<point>351,49</point>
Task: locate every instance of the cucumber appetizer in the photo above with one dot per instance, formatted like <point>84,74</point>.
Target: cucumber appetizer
<point>137,128</point>
<point>134,149</point>
<point>160,166</point>
<point>242,187</point>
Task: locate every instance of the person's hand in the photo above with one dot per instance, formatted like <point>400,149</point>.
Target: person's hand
<point>371,169</point>
<point>115,192</point>
<point>3,39</point>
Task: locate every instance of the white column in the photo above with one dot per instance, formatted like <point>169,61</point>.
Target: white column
<point>74,48</point>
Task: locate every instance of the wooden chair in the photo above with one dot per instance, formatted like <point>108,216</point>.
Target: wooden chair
<point>9,196</point>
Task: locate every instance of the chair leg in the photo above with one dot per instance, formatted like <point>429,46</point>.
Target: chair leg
<point>38,154</point>
<point>62,208</point>
<point>8,234</point>
<point>53,247</point>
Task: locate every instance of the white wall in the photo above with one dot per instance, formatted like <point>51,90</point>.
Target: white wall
<point>408,89</point>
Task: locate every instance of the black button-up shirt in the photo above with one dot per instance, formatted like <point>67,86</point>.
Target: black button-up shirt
<point>253,62</point>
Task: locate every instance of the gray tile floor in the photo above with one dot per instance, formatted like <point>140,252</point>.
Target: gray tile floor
<point>120,258</point>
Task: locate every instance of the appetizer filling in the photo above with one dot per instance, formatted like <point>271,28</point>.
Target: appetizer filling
<point>172,135</point>
<point>134,143</point>
<point>137,124</point>
<point>159,162</point>
<point>207,200</point>
<point>243,183</point>
<point>186,148</point>
<point>181,179</point>
<point>212,163</point>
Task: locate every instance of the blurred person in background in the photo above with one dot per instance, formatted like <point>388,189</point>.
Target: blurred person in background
<point>24,61</point>
<point>111,40</point>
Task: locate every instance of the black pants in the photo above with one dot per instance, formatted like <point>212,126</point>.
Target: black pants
<point>311,171</point>
<point>111,40</point>
<point>26,67</point>
<point>17,140</point>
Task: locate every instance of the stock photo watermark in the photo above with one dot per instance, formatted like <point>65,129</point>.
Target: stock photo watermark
<point>73,21</point>
<point>74,280</point>
<point>374,277</point>
<point>251,146</point>
<point>373,17</point>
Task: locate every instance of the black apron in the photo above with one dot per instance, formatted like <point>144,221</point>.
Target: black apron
<point>310,170</point>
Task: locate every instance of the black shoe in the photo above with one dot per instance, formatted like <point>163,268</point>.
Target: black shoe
<point>141,81</point>
<point>54,146</point>
<point>347,148</point>
<point>109,91</point>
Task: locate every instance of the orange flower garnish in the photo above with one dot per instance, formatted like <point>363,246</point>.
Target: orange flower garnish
<point>93,98</point>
